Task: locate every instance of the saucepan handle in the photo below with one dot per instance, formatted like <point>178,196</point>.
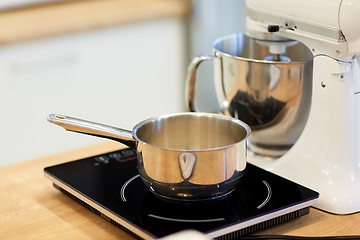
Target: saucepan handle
<point>95,129</point>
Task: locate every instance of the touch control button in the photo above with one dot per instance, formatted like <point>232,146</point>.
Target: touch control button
<point>102,159</point>
<point>128,153</point>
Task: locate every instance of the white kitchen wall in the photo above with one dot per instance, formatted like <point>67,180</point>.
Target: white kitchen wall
<point>212,19</point>
<point>117,76</point>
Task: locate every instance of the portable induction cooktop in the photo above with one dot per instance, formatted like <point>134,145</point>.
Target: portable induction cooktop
<point>109,185</point>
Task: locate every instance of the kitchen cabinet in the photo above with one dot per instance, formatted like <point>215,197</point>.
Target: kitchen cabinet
<point>118,73</point>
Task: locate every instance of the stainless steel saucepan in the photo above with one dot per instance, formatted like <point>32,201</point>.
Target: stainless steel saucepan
<point>183,156</point>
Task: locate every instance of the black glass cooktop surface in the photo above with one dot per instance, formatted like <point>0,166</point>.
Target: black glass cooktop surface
<point>110,186</point>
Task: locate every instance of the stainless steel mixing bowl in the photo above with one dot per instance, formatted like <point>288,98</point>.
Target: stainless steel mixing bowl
<point>271,93</point>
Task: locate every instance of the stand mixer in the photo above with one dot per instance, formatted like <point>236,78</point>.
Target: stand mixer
<point>326,157</point>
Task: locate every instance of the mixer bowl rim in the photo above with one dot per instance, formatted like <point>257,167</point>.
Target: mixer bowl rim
<point>263,61</point>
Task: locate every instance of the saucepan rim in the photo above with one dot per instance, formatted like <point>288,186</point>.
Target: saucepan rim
<point>139,125</point>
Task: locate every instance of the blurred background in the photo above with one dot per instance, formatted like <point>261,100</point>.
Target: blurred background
<point>116,62</point>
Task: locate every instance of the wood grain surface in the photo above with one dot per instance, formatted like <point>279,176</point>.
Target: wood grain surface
<point>30,208</point>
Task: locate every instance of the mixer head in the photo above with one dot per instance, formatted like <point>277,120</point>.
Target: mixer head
<point>326,28</point>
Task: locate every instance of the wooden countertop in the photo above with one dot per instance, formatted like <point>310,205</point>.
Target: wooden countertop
<point>30,208</point>
<point>80,15</point>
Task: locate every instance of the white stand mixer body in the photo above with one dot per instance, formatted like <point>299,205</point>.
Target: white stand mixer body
<point>326,156</point>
